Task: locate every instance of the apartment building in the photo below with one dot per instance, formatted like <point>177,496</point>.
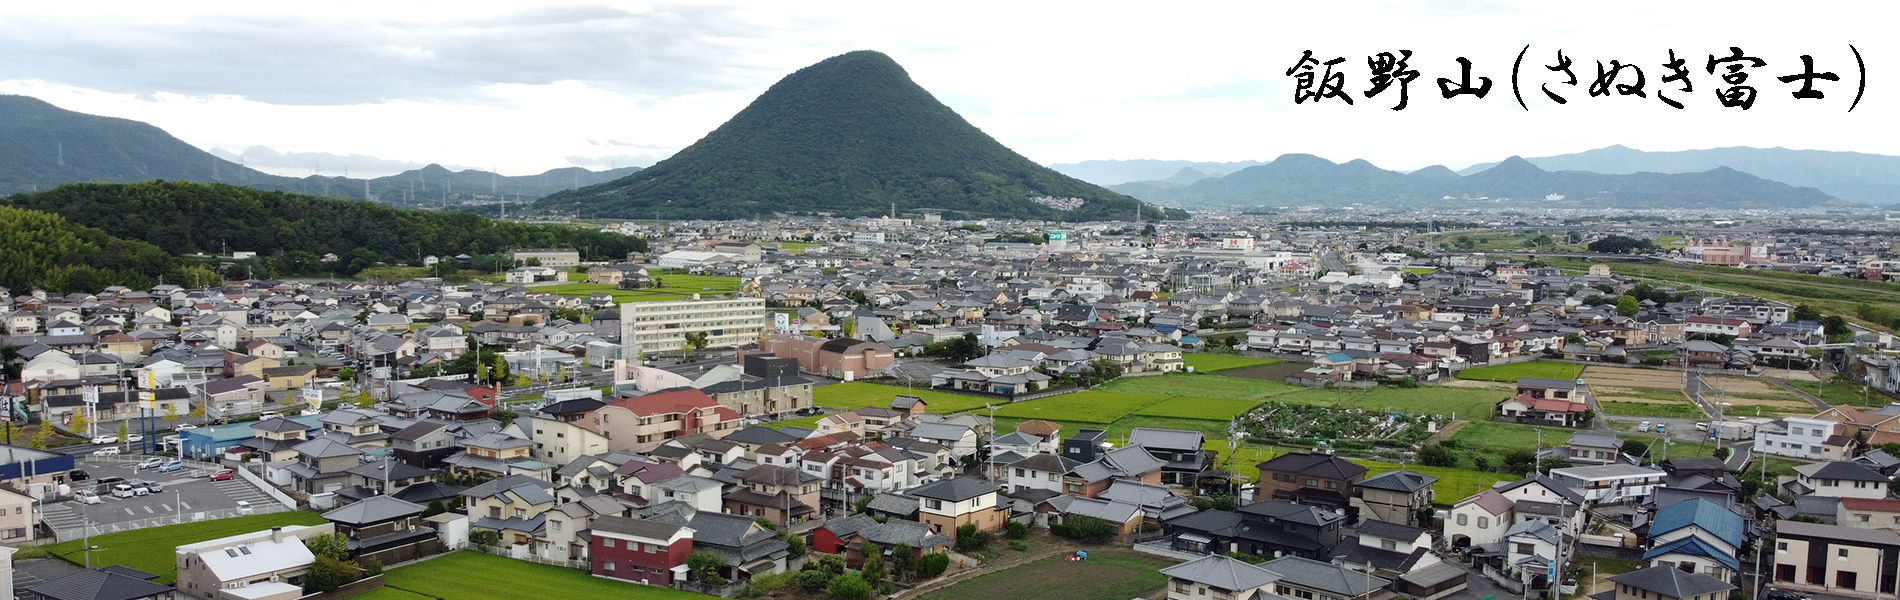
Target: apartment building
<point>647,327</point>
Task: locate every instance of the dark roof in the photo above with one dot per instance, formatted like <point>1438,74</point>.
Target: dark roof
<point>567,407</point>
<point>374,509</point>
<point>1390,531</point>
<point>954,490</point>
<point>761,435</point>
<point>99,584</point>
<point>278,425</point>
<point>1399,481</point>
<point>1670,582</point>
<point>1317,465</point>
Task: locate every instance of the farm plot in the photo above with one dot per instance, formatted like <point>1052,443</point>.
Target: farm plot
<point>1600,376</point>
<point>1083,407</point>
<point>1416,401</point>
<point>1209,363</point>
<point>1511,372</point>
<point>1751,397</point>
<point>1196,407</point>
<point>1207,386</point>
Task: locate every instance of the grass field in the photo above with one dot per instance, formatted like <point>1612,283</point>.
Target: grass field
<point>476,576</point>
<point>859,394</point>
<point>1106,574</point>
<point>810,422</point>
<point>154,550</point>
<point>1448,401</point>
<point>679,287</point>
<point>1209,363</point>
<point>1453,484</point>
<point>1085,407</point>
<point>797,247</point>
<point>1196,407</point>
<point>1509,373</point>
<point>1677,410</point>
<point>1208,386</point>
<point>1498,438</point>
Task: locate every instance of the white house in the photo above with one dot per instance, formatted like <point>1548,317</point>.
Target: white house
<point>1798,437</point>
<point>1610,484</point>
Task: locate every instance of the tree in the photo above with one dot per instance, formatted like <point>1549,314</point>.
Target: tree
<point>932,565</point>
<point>124,432</point>
<point>506,417</point>
<point>858,297</point>
<point>171,411</point>
<point>333,545</point>
<point>1618,244</point>
<point>873,569</point>
<point>41,438</point>
<point>363,400</point>
<point>849,587</point>
<point>812,580</point>
<point>197,412</point>
<point>1626,306</point>
<point>346,374</point>
<point>971,539</point>
<point>901,566</point>
<point>704,565</point>
<point>329,573</point>
<point>696,341</point>
<point>960,349</point>
<point>80,422</point>
<point>829,563</point>
<point>1434,455</point>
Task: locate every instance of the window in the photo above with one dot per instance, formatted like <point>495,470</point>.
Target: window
<point>1462,517</point>
<point>1863,518</point>
<point>1484,522</point>
<point>609,566</point>
<point>934,504</point>
<point>554,525</point>
<point>1526,548</point>
<point>1781,546</point>
<point>1841,553</point>
<point>608,542</point>
<point>1388,545</point>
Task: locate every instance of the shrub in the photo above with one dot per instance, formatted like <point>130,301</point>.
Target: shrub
<point>813,580</point>
<point>704,565</point>
<point>849,587</point>
<point>873,569</point>
<point>375,567</point>
<point>768,583</point>
<point>1084,528</point>
<point>829,563</point>
<point>1018,545</point>
<point>901,566</point>
<point>1015,530</point>
<point>971,539</point>
<point>932,565</point>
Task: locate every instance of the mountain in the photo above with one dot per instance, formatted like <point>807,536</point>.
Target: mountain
<point>1303,179</point>
<point>42,146</point>
<point>1116,172</point>
<point>851,135</point>
<point>292,230</point>
<point>1850,176</point>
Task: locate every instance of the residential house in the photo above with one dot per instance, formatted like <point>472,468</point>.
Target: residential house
<point>1813,558</point>
<point>1265,528</point>
<point>779,494</point>
<point>1321,480</point>
<point>644,551</point>
<point>1663,583</point>
<point>1400,497</point>
<point>1219,577</point>
<point>1696,536</point>
<point>384,529</point>
<point>952,503</point>
<point>261,565</point>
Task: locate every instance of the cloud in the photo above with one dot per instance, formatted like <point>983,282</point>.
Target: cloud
<point>335,55</point>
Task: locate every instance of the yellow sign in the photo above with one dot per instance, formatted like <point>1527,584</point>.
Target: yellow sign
<point>147,399</point>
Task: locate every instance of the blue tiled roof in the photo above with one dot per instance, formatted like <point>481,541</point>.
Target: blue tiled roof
<point>1694,546</point>
<point>1719,522</point>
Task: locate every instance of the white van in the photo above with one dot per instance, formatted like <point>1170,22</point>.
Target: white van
<point>244,507</point>
<point>1642,427</point>
<point>123,490</point>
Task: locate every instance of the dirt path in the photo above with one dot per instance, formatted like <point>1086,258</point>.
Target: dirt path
<point>1447,432</point>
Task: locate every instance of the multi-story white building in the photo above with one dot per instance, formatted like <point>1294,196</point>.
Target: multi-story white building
<point>1610,484</point>
<point>557,258</point>
<point>1799,437</point>
<point>662,326</point>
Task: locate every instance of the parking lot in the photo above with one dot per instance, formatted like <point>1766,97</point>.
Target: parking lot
<point>188,495</point>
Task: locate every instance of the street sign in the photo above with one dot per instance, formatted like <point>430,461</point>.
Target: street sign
<point>89,394</point>
<point>313,396</point>
<point>148,379</point>
<point>147,399</point>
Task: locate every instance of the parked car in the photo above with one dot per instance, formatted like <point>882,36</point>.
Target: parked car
<point>1661,428</point>
<point>185,427</point>
<point>269,414</point>
<point>79,475</point>
<point>172,465</point>
<point>134,438</point>
<point>141,490</point>
<point>152,462</point>
<point>1701,426</point>
<point>105,439</point>
<point>105,483</point>
<point>86,497</point>
<point>112,451</point>
<point>224,475</point>
<point>1643,426</point>
<point>244,507</point>
<point>123,490</point>
<point>155,487</point>
<point>1785,595</point>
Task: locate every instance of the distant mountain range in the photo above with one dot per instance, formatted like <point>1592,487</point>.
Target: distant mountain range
<point>1304,180</point>
<point>1850,176</point>
<point>42,146</point>
<point>1112,172</point>
<point>851,136</point>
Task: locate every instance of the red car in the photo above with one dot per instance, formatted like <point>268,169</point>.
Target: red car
<point>223,475</point>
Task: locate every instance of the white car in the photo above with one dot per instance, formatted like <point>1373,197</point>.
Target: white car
<point>244,507</point>
<point>185,427</point>
<point>105,439</point>
<point>86,497</point>
<point>112,451</point>
<point>134,438</point>
<point>151,463</point>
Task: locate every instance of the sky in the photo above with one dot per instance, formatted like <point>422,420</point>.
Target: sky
<point>525,87</point>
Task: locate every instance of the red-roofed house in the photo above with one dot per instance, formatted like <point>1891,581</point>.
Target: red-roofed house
<point>642,423</point>
<point>1524,408</point>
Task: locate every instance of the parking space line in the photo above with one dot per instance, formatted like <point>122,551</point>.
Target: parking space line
<point>183,504</point>
<point>165,507</point>
<point>129,513</point>
<point>148,510</point>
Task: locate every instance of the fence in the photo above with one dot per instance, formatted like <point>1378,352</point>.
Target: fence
<point>74,533</point>
<point>244,471</point>
<point>523,554</point>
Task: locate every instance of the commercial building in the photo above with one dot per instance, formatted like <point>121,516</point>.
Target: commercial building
<point>556,258</point>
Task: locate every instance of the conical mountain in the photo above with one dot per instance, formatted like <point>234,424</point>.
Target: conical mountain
<point>850,136</point>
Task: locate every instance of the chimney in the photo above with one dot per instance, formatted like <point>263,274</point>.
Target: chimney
<point>276,534</point>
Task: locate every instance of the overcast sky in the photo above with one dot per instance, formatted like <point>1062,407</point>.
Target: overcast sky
<point>526,88</point>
